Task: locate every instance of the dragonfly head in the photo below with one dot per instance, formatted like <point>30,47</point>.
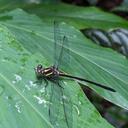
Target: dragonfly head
<point>39,67</point>
<point>39,70</point>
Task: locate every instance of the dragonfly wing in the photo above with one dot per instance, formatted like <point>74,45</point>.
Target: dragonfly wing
<point>55,98</point>
<point>61,47</point>
<point>60,109</point>
<point>57,41</point>
<point>67,105</point>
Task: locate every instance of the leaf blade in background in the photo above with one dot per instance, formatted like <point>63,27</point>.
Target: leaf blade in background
<point>123,7</point>
<point>80,17</point>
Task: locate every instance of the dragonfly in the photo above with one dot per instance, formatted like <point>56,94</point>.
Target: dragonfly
<point>55,76</point>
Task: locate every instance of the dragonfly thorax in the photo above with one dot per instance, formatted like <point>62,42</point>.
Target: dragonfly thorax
<point>46,72</point>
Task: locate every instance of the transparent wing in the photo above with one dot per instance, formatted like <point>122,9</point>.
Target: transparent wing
<point>67,105</point>
<point>60,109</point>
<point>61,48</point>
<point>55,105</point>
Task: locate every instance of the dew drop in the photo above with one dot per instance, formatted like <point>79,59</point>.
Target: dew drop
<point>13,81</point>
<point>42,90</point>
<point>74,36</point>
<point>17,78</point>
<point>79,102</point>
<point>63,23</point>
<point>61,102</point>
<point>27,87</point>
<point>23,90</point>
<point>18,106</point>
<point>41,100</point>
<point>72,27</point>
<point>65,82</point>
<point>56,124</point>
<point>7,97</point>
<point>77,110</point>
<point>3,60</point>
<point>64,97</point>
<point>32,84</point>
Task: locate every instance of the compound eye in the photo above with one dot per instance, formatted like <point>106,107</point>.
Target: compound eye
<point>39,66</point>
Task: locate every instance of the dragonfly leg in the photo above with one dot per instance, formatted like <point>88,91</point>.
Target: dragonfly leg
<point>60,86</point>
<point>46,83</point>
<point>45,86</point>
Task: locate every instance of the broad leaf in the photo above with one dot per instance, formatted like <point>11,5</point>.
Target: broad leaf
<point>23,102</point>
<point>79,17</point>
<point>87,60</point>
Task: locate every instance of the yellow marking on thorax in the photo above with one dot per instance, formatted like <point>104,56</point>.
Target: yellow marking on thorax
<point>48,72</point>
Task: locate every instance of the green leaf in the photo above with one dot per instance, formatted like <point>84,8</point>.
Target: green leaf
<point>24,103</point>
<point>80,17</point>
<point>87,59</point>
<point>8,5</point>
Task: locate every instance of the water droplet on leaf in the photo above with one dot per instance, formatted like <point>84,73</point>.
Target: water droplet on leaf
<point>77,110</point>
<point>17,78</point>
<point>18,106</point>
